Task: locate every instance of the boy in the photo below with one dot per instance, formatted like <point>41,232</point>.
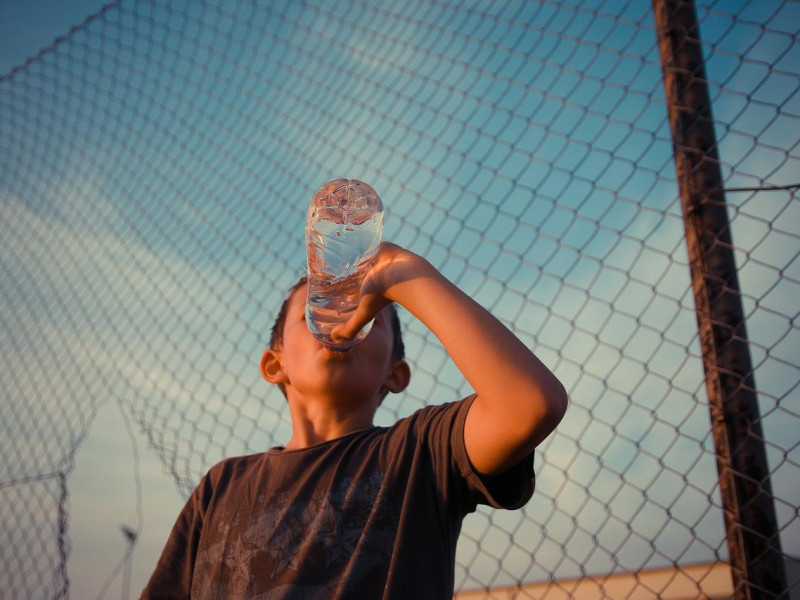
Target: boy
<point>349,510</point>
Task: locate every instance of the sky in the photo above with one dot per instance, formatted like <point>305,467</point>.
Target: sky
<point>162,159</point>
<point>29,26</point>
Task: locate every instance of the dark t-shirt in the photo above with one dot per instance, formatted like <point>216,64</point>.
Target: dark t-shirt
<point>374,514</point>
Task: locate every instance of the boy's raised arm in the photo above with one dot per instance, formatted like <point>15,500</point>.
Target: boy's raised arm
<point>519,400</point>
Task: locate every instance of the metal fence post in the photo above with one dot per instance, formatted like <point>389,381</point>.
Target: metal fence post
<point>750,522</point>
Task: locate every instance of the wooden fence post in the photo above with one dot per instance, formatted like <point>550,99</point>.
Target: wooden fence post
<point>751,526</point>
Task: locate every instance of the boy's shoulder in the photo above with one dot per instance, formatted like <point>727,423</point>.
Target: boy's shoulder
<point>448,413</point>
<point>232,466</point>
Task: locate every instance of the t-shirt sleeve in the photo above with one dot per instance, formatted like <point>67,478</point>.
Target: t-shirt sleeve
<point>172,577</point>
<point>460,484</point>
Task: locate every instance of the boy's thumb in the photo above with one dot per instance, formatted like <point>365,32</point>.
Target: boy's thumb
<point>350,328</point>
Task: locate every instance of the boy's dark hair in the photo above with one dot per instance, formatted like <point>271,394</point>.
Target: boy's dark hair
<point>276,335</point>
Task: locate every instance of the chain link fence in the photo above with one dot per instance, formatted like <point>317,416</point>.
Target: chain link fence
<point>155,164</point>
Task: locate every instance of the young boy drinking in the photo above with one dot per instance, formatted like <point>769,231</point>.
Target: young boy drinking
<point>349,510</point>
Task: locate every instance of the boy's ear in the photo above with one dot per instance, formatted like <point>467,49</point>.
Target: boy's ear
<point>271,367</point>
<point>398,378</point>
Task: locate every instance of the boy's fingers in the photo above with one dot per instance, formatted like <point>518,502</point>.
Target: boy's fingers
<point>341,332</point>
<point>367,309</point>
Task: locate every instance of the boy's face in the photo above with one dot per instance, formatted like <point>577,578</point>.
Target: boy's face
<point>311,369</point>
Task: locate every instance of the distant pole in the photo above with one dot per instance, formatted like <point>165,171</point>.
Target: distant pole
<point>130,536</point>
<point>750,523</point>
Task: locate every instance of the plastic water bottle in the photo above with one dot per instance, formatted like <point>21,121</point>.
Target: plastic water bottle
<point>344,226</point>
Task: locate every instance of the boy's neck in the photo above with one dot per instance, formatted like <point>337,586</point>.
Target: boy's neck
<point>314,422</point>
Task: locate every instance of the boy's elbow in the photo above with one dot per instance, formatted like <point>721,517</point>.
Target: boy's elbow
<point>558,402</point>
<point>552,411</point>
<point>498,439</point>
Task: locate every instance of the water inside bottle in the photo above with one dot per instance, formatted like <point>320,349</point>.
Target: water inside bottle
<point>340,252</point>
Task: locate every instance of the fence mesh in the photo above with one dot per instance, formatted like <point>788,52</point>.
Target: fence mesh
<point>156,161</point>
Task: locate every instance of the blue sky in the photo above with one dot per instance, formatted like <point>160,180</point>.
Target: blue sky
<point>161,161</point>
<point>27,27</point>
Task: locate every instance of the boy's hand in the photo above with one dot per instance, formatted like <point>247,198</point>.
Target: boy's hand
<point>391,267</point>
